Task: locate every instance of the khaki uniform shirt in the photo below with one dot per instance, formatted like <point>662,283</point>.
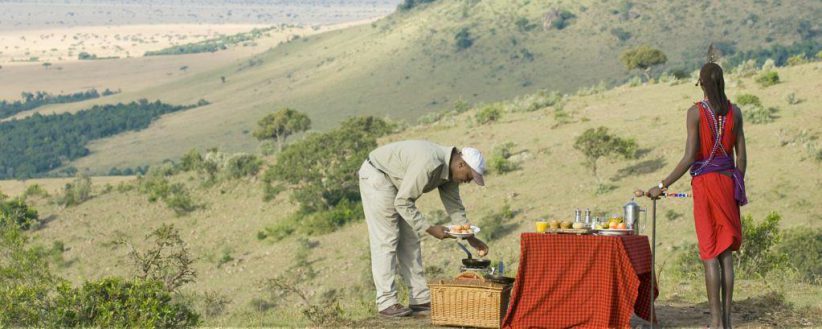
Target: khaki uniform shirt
<point>417,167</point>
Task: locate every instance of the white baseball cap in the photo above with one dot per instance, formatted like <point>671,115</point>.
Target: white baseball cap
<point>476,161</point>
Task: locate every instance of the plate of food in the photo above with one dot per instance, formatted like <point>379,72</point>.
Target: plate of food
<point>614,231</point>
<point>463,231</point>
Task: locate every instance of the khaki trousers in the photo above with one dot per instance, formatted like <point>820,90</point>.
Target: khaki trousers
<point>394,244</point>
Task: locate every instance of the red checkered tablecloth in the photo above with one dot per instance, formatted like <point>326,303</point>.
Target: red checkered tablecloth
<point>580,281</point>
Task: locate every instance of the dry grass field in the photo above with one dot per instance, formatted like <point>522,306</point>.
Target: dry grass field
<point>551,182</point>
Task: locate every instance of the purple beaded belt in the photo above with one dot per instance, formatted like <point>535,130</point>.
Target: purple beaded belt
<point>726,164</point>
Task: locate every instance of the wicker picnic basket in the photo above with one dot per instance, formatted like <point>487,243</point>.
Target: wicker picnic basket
<point>469,300</point>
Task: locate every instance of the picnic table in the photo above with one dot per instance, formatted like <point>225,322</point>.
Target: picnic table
<point>579,281</point>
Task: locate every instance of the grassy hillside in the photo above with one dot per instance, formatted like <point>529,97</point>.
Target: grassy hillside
<point>234,265</point>
<point>424,59</point>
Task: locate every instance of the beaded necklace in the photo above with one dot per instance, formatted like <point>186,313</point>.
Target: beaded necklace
<point>718,124</point>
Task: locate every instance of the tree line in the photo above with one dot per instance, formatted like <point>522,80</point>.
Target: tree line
<point>211,45</point>
<point>40,143</point>
<point>36,99</point>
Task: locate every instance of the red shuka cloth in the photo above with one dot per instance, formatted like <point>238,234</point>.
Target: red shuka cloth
<point>580,281</point>
<point>716,212</point>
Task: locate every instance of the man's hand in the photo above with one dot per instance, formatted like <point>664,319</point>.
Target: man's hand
<point>654,192</point>
<point>438,231</point>
<point>481,247</point>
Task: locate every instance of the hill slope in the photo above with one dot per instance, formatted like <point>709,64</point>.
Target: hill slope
<point>426,58</point>
<point>551,182</point>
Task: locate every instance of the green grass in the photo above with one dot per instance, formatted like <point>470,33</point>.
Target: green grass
<point>409,64</point>
<point>550,183</point>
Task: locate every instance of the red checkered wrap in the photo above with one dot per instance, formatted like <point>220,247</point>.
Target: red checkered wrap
<point>580,281</point>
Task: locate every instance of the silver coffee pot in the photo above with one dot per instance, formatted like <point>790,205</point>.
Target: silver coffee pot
<point>631,212</point>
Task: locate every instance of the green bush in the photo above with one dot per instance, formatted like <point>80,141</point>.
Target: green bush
<point>461,106</point>
<point>35,190</point>
<point>533,102</point>
<point>322,166</point>
<point>489,113</point>
<point>747,99</point>
<point>330,220</point>
<point>802,246</point>
<point>242,165</point>
<point>563,19</point>
<point>76,192</point>
<point>191,160</point>
<point>767,79</point>
<point>463,39</point>
<point>757,256</point>
<point>499,162</point>
<point>17,213</point>
<point>31,296</point>
<point>115,302</point>
<point>429,118</point>
<point>760,114</point>
<point>176,196</point>
<point>26,283</point>
<point>179,199</point>
<point>797,60</point>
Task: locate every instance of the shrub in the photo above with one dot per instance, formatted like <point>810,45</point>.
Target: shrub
<point>563,19</point>
<point>767,79</point>
<point>621,34</point>
<point>242,165</point>
<point>167,261</point>
<point>797,60</point>
<point>461,106</point>
<point>322,166</point>
<point>489,113</point>
<point>330,220</point>
<point>746,69</point>
<point>760,114</point>
<point>758,255</point>
<point>635,82</point>
<point>643,58</point>
<point>429,118</point>
<point>17,213</point>
<point>175,196</point>
<point>35,190</point>
<point>191,160</point>
<point>76,192</point>
<point>26,283</point>
<point>791,99</point>
<point>115,302</point>
<point>499,162</point>
<point>179,199</point>
<point>819,55</point>
<point>533,102</point>
<point>463,39</point>
<point>802,246</point>
<point>747,99</point>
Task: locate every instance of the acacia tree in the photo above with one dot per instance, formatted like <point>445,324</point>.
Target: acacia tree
<point>644,58</point>
<point>281,124</point>
<point>598,143</point>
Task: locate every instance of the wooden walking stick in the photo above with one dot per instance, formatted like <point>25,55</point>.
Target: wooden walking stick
<point>653,263</point>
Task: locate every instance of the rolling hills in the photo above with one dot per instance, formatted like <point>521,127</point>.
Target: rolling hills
<point>426,58</point>
<point>235,265</point>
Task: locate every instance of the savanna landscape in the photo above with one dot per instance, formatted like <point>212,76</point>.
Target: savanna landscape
<point>165,179</point>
